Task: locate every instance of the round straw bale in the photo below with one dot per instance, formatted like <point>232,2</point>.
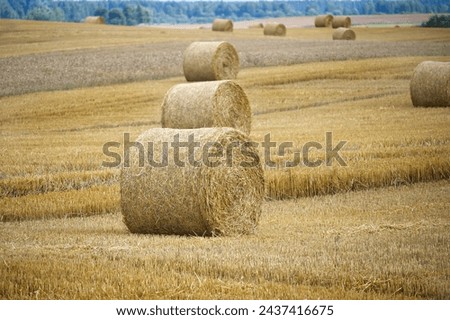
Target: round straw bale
<point>94,20</point>
<point>342,22</point>
<point>210,60</point>
<point>206,104</point>
<point>430,84</point>
<point>323,21</point>
<point>344,34</point>
<point>222,25</point>
<point>256,26</point>
<point>275,29</point>
<point>214,186</point>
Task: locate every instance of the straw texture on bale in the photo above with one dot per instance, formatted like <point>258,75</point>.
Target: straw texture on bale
<point>194,199</point>
<point>430,84</point>
<point>222,25</point>
<point>344,34</point>
<point>342,22</point>
<point>206,104</point>
<point>323,21</point>
<point>94,20</point>
<point>210,60</point>
<point>275,29</point>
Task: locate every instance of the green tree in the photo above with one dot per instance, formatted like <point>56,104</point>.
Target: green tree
<point>40,13</point>
<point>330,6</point>
<point>369,7</point>
<point>142,14</point>
<point>101,12</point>
<point>443,8</point>
<point>311,11</point>
<point>6,11</point>
<point>130,15</point>
<point>438,21</point>
<point>116,16</point>
<point>250,8</point>
<point>58,14</point>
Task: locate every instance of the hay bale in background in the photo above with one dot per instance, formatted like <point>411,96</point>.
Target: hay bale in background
<point>342,22</point>
<point>430,84</point>
<point>206,104</point>
<point>222,25</point>
<point>256,26</point>
<point>193,199</point>
<point>323,21</point>
<point>94,20</point>
<point>275,29</point>
<point>213,60</point>
<point>344,34</point>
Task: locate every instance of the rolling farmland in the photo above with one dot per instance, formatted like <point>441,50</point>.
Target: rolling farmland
<point>375,228</point>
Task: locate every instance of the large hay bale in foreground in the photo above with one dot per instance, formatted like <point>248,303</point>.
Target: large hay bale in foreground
<point>323,21</point>
<point>94,20</point>
<point>344,34</point>
<point>223,197</point>
<point>430,84</point>
<point>342,22</point>
<point>222,25</point>
<point>206,104</point>
<point>274,29</point>
<point>210,60</point>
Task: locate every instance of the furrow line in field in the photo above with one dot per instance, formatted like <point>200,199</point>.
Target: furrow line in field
<point>111,126</point>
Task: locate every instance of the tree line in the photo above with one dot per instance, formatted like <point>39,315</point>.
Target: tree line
<point>438,21</point>
<point>145,11</point>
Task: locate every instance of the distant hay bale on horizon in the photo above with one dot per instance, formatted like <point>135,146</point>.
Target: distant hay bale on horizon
<point>430,84</point>
<point>342,22</point>
<point>274,29</point>
<point>256,26</point>
<point>323,21</point>
<point>214,197</point>
<point>206,104</point>
<point>344,34</point>
<point>210,60</point>
<point>94,20</point>
<point>225,25</point>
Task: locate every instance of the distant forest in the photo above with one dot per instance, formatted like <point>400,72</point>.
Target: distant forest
<point>156,12</point>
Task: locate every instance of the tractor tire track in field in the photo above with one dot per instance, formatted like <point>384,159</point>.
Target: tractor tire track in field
<point>92,67</point>
<point>327,103</point>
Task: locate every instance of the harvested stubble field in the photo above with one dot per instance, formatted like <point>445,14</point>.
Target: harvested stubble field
<point>377,228</point>
<point>82,59</point>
